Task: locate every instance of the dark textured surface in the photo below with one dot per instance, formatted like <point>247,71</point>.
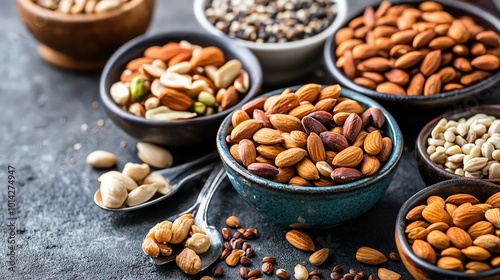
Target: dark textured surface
<point>61,234</point>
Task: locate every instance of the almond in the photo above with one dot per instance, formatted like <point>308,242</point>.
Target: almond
<point>399,50</point>
<point>450,263</point>
<point>386,149</point>
<point>267,136</point>
<point>494,200</point>
<point>434,199</point>
<point>476,253</point>
<point>478,49</point>
<point>307,169</point>
<point>349,157</point>
<point>364,51</point>
<point>262,117</point>
<point>453,252</point>
<point>493,216</point>
<point>466,215</point>
<point>238,117</point>
<point>300,240</point>
<point>376,77</point>
<point>447,75</point>
<point>418,233</point>
<point>135,64</point>
<point>321,116</point>
<point>175,100</point>
<point>488,38</point>
<point>383,44</point>
<point>332,91</point>
<point>263,169</point>
<point>458,31</point>
<point>415,224</point>
<point>308,92</point>
<point>487,62</point>
<point>343,35</point>
<point>452,87</point>
<point>397,76</point>
<point>438,226</point>
<point>489,242</point>
<point>299,181</point>
<point>284,104</point>
<point>375,64</point>
<point>474,77</point>
<point>438,239</point>
<point>369,165</point>
<point>423,38</point>
<point>416,86</point>
<point>343,175</point>
<point>434,213</point>
<point>462,64</point>
<point>462,198</point>
<point>310,125</point>
<point>424,250</point>
<point>404,36</point>
<point>290,157</point>
<point>408,60</point>
<point>390,88</point>
<point>441,43</point>
<point>349,65</point>
<point>347,45</point>
<point>285,123</point>
<point>315,148</point>
<point>257,103</point>
<point>247,152</point>
<point>230,98</point>
<point>352,127</point>
<point>208,56</point>
<point>480,228</point>
<point>371,256</point>
<point>373,143</point>
<point>432,85</point>
<point>334,141</point>
<point>458,237</point>
<point>269,152</point>
<point>326,104</point>
<point>285,174</point>
<point>387,274</point>
<point>245,130</point>
<point>477,266</point>
<point>349,106</point>
<point>431,63</point>
<point>415,213</point>
<point>437,17</point>
<point>319,257</point>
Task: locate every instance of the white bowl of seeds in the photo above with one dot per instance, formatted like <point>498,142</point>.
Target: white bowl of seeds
<point>286,36</point>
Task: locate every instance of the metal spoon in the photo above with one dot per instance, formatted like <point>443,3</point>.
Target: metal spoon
<point>200,210</point>
<point>177,177</point>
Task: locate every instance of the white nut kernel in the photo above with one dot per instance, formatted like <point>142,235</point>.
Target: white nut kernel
<point>136,171</point>
<point>324,168</point>
<point>141,194</point>
<point>300,272</point>
<point>101,159</point>
<point>126,181</point>
<point>113,193</point>
<point>475,164</point>
<point>120,93</point>
<point>226,74</point>
<point>494,127</point>
<point>198,242</point>
<point>154,155</point>
<point>453,150</point>
<point>151,103</point>
<point>494,171</point>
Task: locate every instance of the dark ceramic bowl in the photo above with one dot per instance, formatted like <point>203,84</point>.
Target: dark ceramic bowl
<point>175,132</point>
<point>421,269</point>
<point>455,8</point>
<point>312,207</point>
<point>431,172</point>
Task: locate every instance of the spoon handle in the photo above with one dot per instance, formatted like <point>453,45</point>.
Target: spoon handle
<point>207,192</point>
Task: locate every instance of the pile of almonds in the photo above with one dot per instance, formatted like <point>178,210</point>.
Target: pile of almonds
<point>467,147</point>
<point>159,239</point>
<point>422,50</point>
<point>457,233</point>
<point>309,137</point>
<point>180,81</point>
<point>80,6</point>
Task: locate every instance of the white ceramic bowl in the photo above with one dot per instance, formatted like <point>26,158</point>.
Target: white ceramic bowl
<point>282,62</point>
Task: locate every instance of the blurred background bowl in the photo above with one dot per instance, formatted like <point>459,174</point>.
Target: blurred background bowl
<point>312,207</point>
<point>430,171</point>
<point>84,41</point>
<point>281,62</point>
<point>421,269</point>
<point>175,132</point>
<point>455,8</point>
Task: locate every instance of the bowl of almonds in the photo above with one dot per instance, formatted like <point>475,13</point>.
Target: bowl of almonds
<point>420,54</point>
<point>174,89</point>
<point>83,34</point>
<point>311,155</point>
<point>464,143</point>
<point>451,230</point>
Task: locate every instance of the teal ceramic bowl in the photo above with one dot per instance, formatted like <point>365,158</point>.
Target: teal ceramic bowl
<point>312,207</point>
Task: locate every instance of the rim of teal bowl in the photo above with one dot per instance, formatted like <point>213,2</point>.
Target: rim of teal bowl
<point>365,182</point>
<point>400,222</point>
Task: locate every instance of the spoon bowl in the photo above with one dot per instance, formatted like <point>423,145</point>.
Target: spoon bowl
<point>199,211</point>
<point>176,176</point>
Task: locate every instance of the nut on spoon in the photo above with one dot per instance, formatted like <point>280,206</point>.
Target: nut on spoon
<point>176,176</point>
<point>199,211</point>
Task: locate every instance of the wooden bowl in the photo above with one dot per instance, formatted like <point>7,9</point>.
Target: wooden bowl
<point>84,41</point>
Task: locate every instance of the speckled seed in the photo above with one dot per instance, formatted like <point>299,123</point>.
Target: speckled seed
<point>101,159</point>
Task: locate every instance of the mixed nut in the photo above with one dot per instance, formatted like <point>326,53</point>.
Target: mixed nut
<point>180,80</point>
<point>312,136</point>
<point>457,233</point>
<point>422,50</point>
<point>467,147</point>
<point>271,21</point>
<point>159,239</point>
<point>80,6</point>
